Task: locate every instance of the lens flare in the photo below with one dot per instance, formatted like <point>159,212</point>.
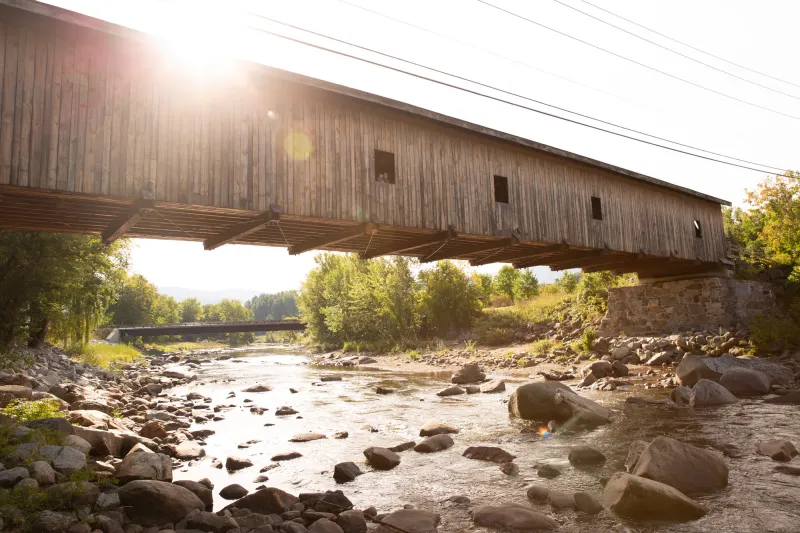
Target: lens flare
<point>543,432</point>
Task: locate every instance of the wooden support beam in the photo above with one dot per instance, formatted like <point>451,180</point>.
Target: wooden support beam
<point>603,260</point>
<point>418,242</point>
<point>118,228</point>
<point>335,237</point>
<point>577,259</point>
<point>241,230</point>
<point>519,255</point>
<point>485,247</point>
<point>630,264</point>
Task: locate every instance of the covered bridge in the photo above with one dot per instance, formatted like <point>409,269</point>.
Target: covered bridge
<point>98,135</point>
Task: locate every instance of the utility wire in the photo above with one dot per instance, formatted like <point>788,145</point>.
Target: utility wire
<point>635,62</point>
<point>690,58</point>
<point>690,46</point>
<point>469,80</point>
<point>484,50</point>
<point>495,98</point>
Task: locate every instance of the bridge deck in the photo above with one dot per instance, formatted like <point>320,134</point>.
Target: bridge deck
<point>208,328</point>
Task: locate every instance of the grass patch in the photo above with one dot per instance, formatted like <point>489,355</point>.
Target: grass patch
<point>498,326</point>
<point>105,355</point>
<point>184,346</point>
<point>543,346</point>
<point>26,411</point>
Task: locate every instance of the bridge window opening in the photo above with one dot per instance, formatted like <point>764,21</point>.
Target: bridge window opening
<point>384,167</point>
<point>698,229</point>
<point>597,208</point>
<point>501,189</point>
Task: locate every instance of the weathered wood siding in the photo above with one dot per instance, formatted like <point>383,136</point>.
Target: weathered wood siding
<point>88,112</point>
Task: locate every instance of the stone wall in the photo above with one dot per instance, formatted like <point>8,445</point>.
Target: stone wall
<point>676,306</point>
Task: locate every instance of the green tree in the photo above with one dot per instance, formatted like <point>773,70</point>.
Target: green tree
<point>55,285</point>
<point>166,310</point>
<point>526,286</point>
<point>191,310</point>
<point>275,306</point>
<point>568,282</point>
<point>135,303</point>
<point>448,299</point>
<point>506,280</point>
<point>230,311</point>
<point>485,284</point>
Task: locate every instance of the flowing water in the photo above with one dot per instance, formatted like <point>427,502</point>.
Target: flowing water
<point>756,500</point>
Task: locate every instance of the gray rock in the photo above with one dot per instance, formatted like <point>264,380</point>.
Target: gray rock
<point>436,428</point>
<point>65,460</point>
<point>496,385</point>
<point>381,458</point>
<point>42,472</point>
<point>644,499</point>
<point>233,492</point>
<point>403,447</point>
<point>469,373</point>
<point>258,388</point>
<point>237,463</point>
<point>537,493</point>
<point>12,476</point>
<point>344,472</point>
<point>198,489</point>
<point>206,521</point>
<point>52,522</point>
<point>80,444</point>
<point>286,456</point>
<point>659,359</point>
<point>333,501</point>
<point>266,501</point>
<point>103,442</point>
<point>619,369</point>
<point>707,393</point>
<point>352,521</point>
<point>793,398</point>
<point>599,369</point>
<point>634,452</point>
<point>681,395</point>
<point>455,390</point>
<point>153,503</point>
<point>583,455</point>
<point>512,516</point>
<point>560,500</point>
<point>409,520</point>
<point>145,465</point>
<point>548,472</point>
<point>689,469</point>
<point>778,449</point>
<point>61,425</point>
<point>324,526</point>
<point>586,503</point>
<point>488,453</point>
<point>189,449</point>
<point>693,368</point>
<point>433,444</point>
<point>306,437</point>
<point>552,400</point>
<point>745,382</point>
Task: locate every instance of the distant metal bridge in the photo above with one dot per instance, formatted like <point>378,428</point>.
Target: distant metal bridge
<point>207,328</point>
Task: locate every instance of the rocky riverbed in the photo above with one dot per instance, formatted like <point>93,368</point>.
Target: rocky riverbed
<point>245,434</point>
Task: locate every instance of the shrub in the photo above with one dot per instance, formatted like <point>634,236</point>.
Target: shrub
<point>501,300</point>
<point>104,355</point>
<point>26,411</point>
<point>541,346</point>
<point>772,334</point>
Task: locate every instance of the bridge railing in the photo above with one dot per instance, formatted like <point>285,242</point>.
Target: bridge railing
<point>211,324</point>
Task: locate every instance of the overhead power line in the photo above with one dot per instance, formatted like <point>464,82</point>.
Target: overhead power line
<point>690,58</point>
<point>690,46</point>
<point>503,90</point>
<point>635,62</point>
<point>484,95</point>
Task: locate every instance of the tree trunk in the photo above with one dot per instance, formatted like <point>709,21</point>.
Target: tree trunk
<point>38,336</point>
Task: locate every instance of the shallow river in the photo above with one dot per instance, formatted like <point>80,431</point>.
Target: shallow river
<point>756,500</point>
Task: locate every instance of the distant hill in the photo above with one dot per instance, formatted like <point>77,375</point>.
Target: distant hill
<point>209,297</point>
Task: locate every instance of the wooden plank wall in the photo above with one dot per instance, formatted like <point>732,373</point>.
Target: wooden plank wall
<point>92,113</point>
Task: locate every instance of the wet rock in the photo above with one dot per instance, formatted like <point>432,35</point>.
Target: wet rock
<point>745,382</point>
<point>233,492</point>
<point>403,447</point>
<point>659,359</point>
<point>469,373</point>
<point>42,472</point>
<point>206,521</point>
<point>619,369</point>
<point>548,472</point>
<point>107,501</point>
<point>237,463</point>
<point>153,503</point>
<point>258,388</point>
<point>560,500</point>
<point>583,455</point>
<point>385,390</point>
<point>555,401</point>
<point>65,460</point>
<point>324,526</point>
<point>286,456</point>
<point>436,428</point>
<point>778,449</point>
<point>586,503</point>
<point>10,392</point>
<point>200,490</point>
<point>488,453</point>
<point>153,430</point>
<point>433,444</point>
<point>189,449</point>
<point>381,458</point>
<point>145,464</point>
<point>793,398</point>
<point>689,469</point>
<point>644,499</point>
<point>599,369</point>
<point>12,476</point>
<point>537,493</point>
<point>455,390</point>
<point>266,501</point>
<point>340,435</point>
<point>634,452</point>
<point>786,469</point>
<point>588,380</point>
<point>103,442</point>
<point>333,501</point>
<point>693,368</point>
<point>512,516</point>
<point>52,522</point>
<point>496,385</point>
<point>307,437</point>
<point>472,389</point>
<point>347,471</point>
<point>707,393</point>
<point>509,469</point>
<point>285,411</point>
<point>352,521</point>
<point>681,395</point>
<point>409,520</point>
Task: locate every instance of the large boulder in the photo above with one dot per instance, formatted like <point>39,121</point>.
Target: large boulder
<point>436,443</point>
<point>689,469</point>
<point>61,425</point>
<point>488,453</point>
<point>65,460</point>
<point>469,373</point>
<point>268,500</point>
<point>778,449</point>
<point>103,442</point>
<point>551,400</point>
<point>347,471</point>
<point>381,458</point>
<point>496,385</point>
<point>745,381</point>
<point>512,516</point>
<point>199,490</point>
<point>693,368</point>
<point>584,455</point>
<point>52,522</point>
<point>12,476</point>
<point>644,499</point>
<point>599,369</point>
<point>91,418</point>
<point>793,398</point>
<point>189,449</point>
<point>144,464</point>
<point>409,520</point>
<point>707,393</point>
<point>154,503</point>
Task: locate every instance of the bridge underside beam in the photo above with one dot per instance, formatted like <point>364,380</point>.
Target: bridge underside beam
<point>336,237</point>
<point>124,223</point>
<point>411,244</point>
<point>210,329</point>
<point>519,253</point>
<point>241,230</point>
<point>478,248</point>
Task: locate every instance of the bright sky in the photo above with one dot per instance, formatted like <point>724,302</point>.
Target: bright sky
<point>758,35</point>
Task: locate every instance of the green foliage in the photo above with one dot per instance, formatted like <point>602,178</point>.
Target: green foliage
<point>135,303</point>
<point>273,306</point>
<point>587,341</point>
<point>106,355</point>
<point>230,311</point>
<point>191,310</point>
<point>469,346</point>
<point>26,411</point>
<point>541,346</point>
<point>591,293</point>
<point>526,286</point>
<point>506,281</point>
<point>770,334</point>
<point>567,282</point>
<point>447,300</point>
<point>55,286</point>
<point>484,283</point>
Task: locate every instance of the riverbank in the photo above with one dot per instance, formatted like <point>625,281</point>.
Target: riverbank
<point>222,425</point>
